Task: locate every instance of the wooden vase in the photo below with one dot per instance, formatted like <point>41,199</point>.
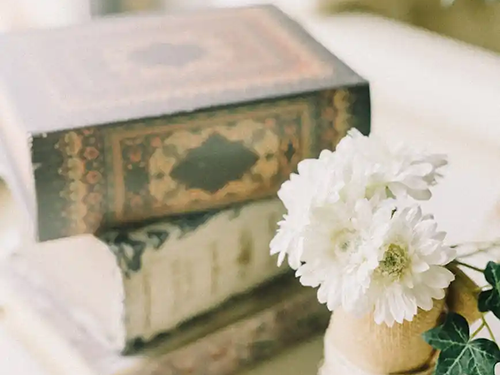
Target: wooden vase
<point>359,346</point>
<point>379,349</point>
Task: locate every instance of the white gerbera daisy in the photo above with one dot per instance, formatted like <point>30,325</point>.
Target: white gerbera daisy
<point>398,170</point>
<point>319,182</point>
<point>297,195</point>
<point>410,271</point>
<point>386,260</point>
<point>342,231</point>
<point>337,253</point>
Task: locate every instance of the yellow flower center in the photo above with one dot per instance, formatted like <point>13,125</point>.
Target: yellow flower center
<point>395,262</point>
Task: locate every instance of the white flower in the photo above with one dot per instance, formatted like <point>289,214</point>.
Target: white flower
<point>347,232</point>
<point>398,169</point>
<point>336,256</point>
<point>360,167</point>
<point>319,181</point>
<point>297,195</point>
<point>411,270</point>
<point>394,264</point>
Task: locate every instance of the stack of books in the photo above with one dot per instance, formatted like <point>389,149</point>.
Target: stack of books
<point>147,152</point>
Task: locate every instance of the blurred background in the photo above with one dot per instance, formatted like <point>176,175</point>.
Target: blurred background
<point>434,70</point>
<point>433,66</point>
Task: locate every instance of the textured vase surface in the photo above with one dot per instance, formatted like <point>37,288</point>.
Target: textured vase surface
<point>379,349</point>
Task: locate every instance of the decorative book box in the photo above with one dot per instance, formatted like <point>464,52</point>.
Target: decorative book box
<point>132,118</point>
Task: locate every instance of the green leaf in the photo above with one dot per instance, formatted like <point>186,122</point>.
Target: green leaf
<point>489,300</point>
<point>455,330</point>
<point>459,355</point>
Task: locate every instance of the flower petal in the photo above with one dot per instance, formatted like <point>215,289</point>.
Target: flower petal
<point>397,306</point>
<point>423,298</point>
<point>418,265</point>
<point>421,195</point>
<point>410,303</point>
<point>334,297</point>
<point>381,312</point>
<point>438,277</point>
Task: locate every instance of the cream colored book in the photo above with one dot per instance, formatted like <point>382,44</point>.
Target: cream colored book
<point>134,284</point>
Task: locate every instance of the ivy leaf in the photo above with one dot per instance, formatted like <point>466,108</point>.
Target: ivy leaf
<point>489,300</point>
<point>460,355</point>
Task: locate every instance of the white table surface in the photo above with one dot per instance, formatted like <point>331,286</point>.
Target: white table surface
<point>15,359</point>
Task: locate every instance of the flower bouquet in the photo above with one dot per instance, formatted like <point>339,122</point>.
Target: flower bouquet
<point>401,302</point>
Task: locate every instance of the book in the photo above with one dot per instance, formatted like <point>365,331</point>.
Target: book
<point>132,284</point>
<point>240,334</point>
<point>130,118</point>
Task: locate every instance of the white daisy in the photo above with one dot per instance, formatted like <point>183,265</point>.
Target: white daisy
<point>397,169</point>
<point>332,187</point>
<point>319,182</point>
<point>387,261</point>
<point>337,254</point>
<point>410,271</point>
<point>297,195</point>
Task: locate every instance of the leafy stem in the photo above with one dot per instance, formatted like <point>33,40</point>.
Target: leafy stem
<point>458,263</point>
<point>479,329</point>
<point>485,324</point>
<point>490,332</point>
<point>489,300</point>
<point>459,352</point>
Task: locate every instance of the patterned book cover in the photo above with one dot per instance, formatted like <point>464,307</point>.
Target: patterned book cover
<point>133,118</point>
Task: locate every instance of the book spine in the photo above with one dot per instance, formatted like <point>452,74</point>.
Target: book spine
<point>244,343</point>
<point>99,177</point>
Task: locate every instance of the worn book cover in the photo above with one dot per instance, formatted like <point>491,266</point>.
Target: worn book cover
<point>134,284</point>
<point>130,118</point>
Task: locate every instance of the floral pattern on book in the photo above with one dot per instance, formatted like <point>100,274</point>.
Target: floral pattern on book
<point>126,173</point>
<point>83,169</point>
<point>202,161</point>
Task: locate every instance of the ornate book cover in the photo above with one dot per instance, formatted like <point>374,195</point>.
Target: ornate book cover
<point>134,118</point>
